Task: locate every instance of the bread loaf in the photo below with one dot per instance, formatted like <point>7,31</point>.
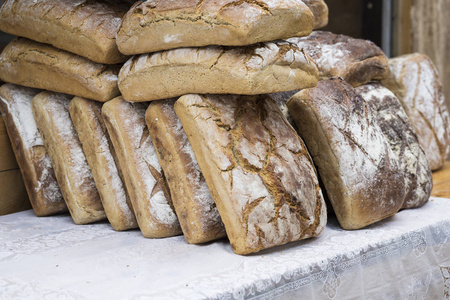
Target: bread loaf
<point>143,176</point>
<point>28,146</point>
<point>400,134</point>
<point>42,66</point>
<point>193,203</point>
<point>156,25</point>
<point>69,162</point>
<point>257,69</point>
<point>86,28</point>
<point>320,11</point>
<point>88,121</point>
<point>356,61</point>
<point>361,174</point>
<point>415,82</point>
<point>257,169</point>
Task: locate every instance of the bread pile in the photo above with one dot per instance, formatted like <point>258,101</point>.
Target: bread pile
<point>196,134</point>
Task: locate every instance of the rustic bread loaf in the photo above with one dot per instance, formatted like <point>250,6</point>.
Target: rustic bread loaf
<point>257,169</point>
<point>156,25</point>
<point>257,69</point>
<point>356,61</point>
<point>415,82</point>
<point>86,28</point>
<point>35,165</point>
<point>361,174</point>
<point>320,11</point>
<point>402,138</point>
<point>193,203</point>
<point>37,65</point>
<point>88,122</point>
<point>69,162</point>
<point>281,99</point>
<point>142,173</point>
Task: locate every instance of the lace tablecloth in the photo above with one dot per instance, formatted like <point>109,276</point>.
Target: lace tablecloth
<point>404,257</point>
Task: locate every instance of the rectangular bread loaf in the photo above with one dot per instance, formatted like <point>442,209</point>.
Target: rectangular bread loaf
<point>257,168</point>
<point>143,176</point>
<point>361,174</point>
<point>69,162</point>
<point>42,66</point>
<point>193,203</point>
<point>156,25</point>
<point>88,121</point>
<point>86,28</point>
<point>28,146</point>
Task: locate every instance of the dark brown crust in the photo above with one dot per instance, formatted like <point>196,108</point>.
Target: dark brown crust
<point>359,170</point>
<point>357,61</point>
<point>86,28</point>
<point>320,10</point>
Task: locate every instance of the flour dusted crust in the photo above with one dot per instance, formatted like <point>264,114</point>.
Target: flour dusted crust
<point>400,134</point>
<point>191,198</point>
<point>415,82</point>
<point>320,11</point>
<point>156,25</point>
<point>35,165</point>
<point>257,169</point>
<point>69,162</point>
<point>361,174</point>
<point>281,99</point>
<point>143,176</point>
<point>42,66</point>
<point>262,68</point>
<point>84,27</point>
<point>356,61</point>
<point>88,121</point>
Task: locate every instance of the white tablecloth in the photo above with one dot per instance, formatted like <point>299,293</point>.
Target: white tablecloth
<point>404,257</point>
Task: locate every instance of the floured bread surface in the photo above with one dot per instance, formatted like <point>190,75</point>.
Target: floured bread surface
<point>42,66</point>
<point>415,82</point>
<point>88,121</point>
<point>35,165</point>
<point>361,174</point>
<point>143,176</point>
<point>281,99</point>
<point>69,162</point>
<point>156,25</point>
<point>400,134</point>
<point>320,11</point>
<point>87,28</point>
<point>356,61</point>
<point>257,169</point>
<point>262,68</point>
<point>191,198</point>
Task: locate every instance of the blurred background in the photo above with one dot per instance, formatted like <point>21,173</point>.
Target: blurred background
<point>397,26</point>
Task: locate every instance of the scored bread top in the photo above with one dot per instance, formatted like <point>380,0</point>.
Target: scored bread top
<point>156,25</point>
<point>357,61</point>
<point>84,27</point>
<point>261,68</point>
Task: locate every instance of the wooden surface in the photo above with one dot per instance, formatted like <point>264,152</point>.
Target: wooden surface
<point>13,196</point>
<point>7,159</point>
<point>401,27</point>
<point>441,182</point>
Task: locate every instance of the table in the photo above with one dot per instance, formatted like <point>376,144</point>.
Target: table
<point>404,257</point>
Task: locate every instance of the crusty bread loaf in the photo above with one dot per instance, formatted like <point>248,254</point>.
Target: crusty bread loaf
<point>415,82</point>
<point>42,66</point>
<point>156,25</point>
<point>257,69</point>
<point>257,169</point>
<point>72,171</point>
<point>35,165</point>
<point>400,134</point>
<point>320,11</point>
<point>281,99</point>
<point>356,61</point>
<point>360,172</point>
<point>88,121</point>
<point>143,176</point>
<point>193,203</point>
<point>86,28</point>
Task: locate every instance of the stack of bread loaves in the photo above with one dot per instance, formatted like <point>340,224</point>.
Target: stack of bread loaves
<point>196,133</point>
